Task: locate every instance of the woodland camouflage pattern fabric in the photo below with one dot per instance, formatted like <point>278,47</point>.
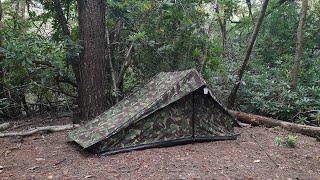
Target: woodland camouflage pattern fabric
<point>210,117</point>
<point>161,111</point>
<point>171,122</point>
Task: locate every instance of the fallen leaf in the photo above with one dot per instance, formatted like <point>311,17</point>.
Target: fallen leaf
<point>36,136</point>
<point>33,168</point>
<point>7,152</point>
<point>65,172</point>
<point>89,176</point>
<point>308,157</point>
<point>57,162</point>
<point>40,159</point>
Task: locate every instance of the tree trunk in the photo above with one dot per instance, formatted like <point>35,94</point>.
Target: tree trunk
<point>223,27</point>
<point>233,94</point>
<point>61,17</point>
<point>112,68</point>
<point>22,9</point>
<point>63,23</point>
<point>248,2</point>
<point>92,86</point>
<point>296,66</point>
<point>70,58</point>
<point>2,57</point>
<point>257,120</point>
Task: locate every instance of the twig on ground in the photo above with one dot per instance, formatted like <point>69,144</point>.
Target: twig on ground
<point>261,148</point>
<point>19,125</point>
<point>5,126</point>
<point>40,129</point>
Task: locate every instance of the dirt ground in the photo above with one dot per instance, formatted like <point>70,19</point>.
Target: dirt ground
<point>52,156</point>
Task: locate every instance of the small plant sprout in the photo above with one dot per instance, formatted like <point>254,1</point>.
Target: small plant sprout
<point>289,141</point>
<point>277,128</point>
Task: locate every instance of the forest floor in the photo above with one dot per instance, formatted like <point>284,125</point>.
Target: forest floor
<point>253,155</point>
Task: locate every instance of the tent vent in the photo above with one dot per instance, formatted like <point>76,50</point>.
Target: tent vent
<point>205,90</point>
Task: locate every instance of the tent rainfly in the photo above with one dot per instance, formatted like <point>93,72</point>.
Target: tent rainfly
<point>173,108</point>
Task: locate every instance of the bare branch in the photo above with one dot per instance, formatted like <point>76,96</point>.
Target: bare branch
<point>40,129</point>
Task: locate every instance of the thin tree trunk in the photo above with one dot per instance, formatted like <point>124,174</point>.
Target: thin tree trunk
<point>127,62</point>
<point>74,60</point>
<point>22,9</point>
<point>15,4</point>
<point>233,94</point>
<point>92,87</point>
<point>223,27</point>
<point>224,35</point>
<point>112,69</point>
<point>61,18</point>
<point>2,57</point>
<point>203,58</point>
<point>66,32</point>
<point>275,7</point>
<point>296,66</point>
<point>248,2</point>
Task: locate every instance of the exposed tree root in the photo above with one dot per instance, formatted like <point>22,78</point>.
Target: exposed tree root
<point>46,129</point>
<point>257,120</point>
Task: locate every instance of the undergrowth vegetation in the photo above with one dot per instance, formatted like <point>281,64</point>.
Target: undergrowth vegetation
<point>289,141</point>
<point>165,36</point>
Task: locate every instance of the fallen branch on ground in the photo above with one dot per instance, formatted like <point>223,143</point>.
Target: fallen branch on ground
<point>5,126</point>
<point>257,120</point>
<point>47,129</point>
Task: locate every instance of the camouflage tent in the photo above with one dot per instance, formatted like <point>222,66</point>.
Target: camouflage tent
<point>172,108</point>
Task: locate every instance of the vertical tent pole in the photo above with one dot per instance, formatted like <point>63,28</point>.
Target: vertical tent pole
<point>192,118</point>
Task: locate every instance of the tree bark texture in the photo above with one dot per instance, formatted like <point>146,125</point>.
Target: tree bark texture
<point>233,94</point>
<point>257,120</point>
<point>92,86</point>
<point>297,59</point>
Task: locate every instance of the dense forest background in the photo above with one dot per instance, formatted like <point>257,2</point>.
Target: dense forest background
<point>82,57</point>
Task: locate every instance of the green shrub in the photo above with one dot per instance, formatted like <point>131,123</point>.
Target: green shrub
<point>289,141</point>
